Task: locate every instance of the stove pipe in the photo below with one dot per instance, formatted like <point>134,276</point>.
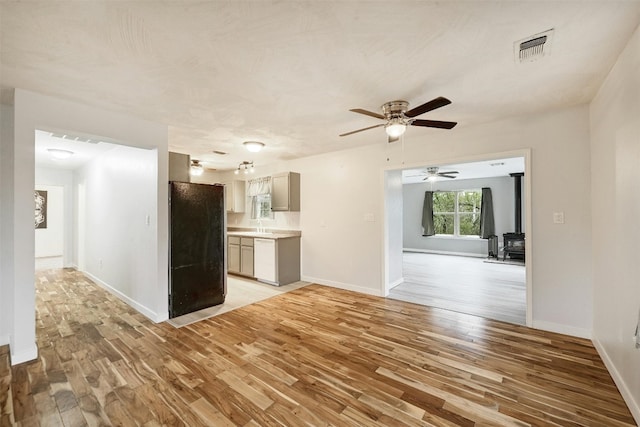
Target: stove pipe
<point>517,183</point>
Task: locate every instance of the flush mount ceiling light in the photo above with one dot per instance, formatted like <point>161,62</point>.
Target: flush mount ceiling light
<point>245,166</point>
<point>253,146</point>
<point>196,168</point>
<point>59,154</point>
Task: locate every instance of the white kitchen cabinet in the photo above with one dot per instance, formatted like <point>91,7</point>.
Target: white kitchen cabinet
<point>285,192</point>
<point>235,196</point>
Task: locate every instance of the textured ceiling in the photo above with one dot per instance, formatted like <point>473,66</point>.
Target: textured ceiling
<point>287,72</point>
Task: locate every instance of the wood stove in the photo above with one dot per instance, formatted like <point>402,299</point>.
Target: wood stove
<point>513,245</point>
<point>514,242</point>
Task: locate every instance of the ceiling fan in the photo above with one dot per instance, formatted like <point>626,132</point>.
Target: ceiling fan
<point>398,116</point>
<point>432,173</point>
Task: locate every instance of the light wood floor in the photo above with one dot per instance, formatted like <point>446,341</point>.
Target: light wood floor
<point>314,356</point>
<point>464,284</point>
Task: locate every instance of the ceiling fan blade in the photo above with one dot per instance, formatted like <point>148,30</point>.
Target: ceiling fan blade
<point>449,172</point>
<point>368,113</point>
<point>445,175</point>
<point>427,106</point>
<point>360,130</point>
<point>434,124</point>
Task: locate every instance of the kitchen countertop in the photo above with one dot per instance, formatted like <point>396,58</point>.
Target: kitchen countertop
<point>274,234</point>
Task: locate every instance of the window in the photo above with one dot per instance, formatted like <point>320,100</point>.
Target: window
<point>457,213</point>
<point>262,207</point>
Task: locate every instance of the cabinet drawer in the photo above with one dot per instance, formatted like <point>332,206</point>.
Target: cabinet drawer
<point>234,240</point>
<point>246,241</point>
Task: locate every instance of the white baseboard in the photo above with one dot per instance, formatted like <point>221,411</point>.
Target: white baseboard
<point>150,314</point>
<point>400,281</point>
<point>634,406</point>
<point>429,251</point>
<point>345,286</point>
<point>562,329</point>
<point>24,355</point>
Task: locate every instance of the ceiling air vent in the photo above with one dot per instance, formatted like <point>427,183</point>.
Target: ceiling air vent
<point>534,47</point>
<point>75,138</point>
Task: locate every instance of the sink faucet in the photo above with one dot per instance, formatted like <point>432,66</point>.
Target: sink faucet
<point>260,228</point>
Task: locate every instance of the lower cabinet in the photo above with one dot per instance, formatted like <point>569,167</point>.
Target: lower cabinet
<point>246,257</point>
<point>240,255</point>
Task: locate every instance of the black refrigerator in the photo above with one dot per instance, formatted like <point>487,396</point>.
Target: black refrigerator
<point>197,247</point>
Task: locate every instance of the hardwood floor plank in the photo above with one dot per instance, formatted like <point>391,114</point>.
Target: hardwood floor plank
<point>464,284</point>
<point>314,356</point>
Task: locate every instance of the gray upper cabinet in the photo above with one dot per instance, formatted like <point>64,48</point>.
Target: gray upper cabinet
<point>235,197</point>
<point>179,167</point>
<point>285,192</point>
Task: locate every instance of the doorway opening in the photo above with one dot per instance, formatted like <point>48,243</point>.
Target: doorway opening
<point>454,266</point>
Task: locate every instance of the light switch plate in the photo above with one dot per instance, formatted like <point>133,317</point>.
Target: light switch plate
<point>368,217</point>
<point>558,217</point>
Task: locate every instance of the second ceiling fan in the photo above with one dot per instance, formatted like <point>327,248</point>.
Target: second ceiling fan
<point>397,117</point>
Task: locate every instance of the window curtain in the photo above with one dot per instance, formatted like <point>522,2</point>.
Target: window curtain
<point>487,223</point>
<point>427,215</point>
<point>259,186</point>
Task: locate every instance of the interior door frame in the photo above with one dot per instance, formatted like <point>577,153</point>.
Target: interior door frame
<point>387,227</point>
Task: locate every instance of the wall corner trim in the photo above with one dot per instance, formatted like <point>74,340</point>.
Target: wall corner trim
<point>634,406</point>
<point>24,355</point>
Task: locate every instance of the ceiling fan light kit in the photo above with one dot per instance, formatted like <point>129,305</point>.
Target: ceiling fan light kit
<point>398,116</point>
<point>395,128</point>
<point>433,174</point>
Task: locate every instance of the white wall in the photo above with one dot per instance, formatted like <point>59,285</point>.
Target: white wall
<point>502,191</point>
<point>615,148</point>
<point>33,111</point>
<point>118,230</point>
<point>393,229</point>
<point>6,223</point>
